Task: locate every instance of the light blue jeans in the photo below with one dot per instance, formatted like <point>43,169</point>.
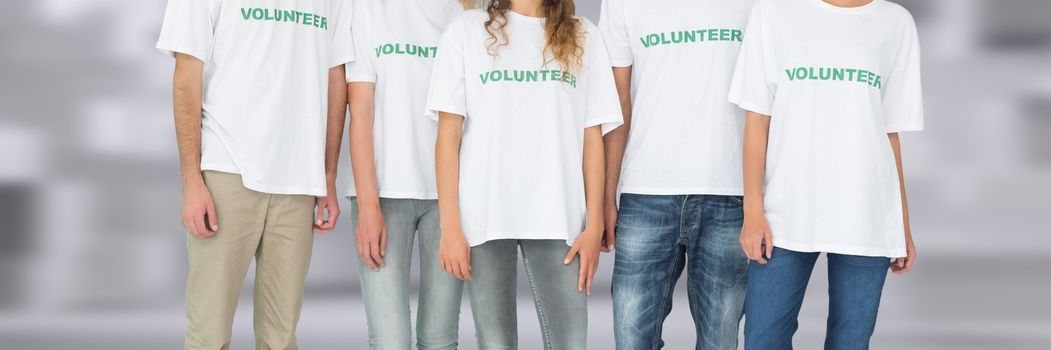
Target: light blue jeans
<point>386,292</point>
<point>493,292</point>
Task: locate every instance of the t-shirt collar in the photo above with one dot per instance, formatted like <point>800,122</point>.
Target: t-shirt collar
<point>847,10</point>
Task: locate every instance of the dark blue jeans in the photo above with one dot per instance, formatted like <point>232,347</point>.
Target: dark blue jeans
<point>658,237</point>
<point>775,294</point>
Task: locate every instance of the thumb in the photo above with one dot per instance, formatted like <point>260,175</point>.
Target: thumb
<point>213,220</point>
<point>320,216</point>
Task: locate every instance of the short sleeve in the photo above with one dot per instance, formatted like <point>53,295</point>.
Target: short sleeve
<point>342,49</point>
<point>448,90</point>
<point>189,28</point>
<point>603,102</point>
<point>614,30</point>
<point>361,69</point>
<point>903,91</point>
<point>750,88</point>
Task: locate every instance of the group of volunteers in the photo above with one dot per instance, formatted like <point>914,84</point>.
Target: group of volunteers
<point>734,139</point>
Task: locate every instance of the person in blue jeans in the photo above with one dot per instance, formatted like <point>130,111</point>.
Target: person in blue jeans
<point>676,164</point>
<point>828,85</point>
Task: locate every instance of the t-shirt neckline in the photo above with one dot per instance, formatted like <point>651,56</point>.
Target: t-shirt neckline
<point>520,17</point>
<point>848,10</point>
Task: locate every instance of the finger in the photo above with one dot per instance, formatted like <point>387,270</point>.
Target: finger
<point>363,251</point>
<point>605,242</point>
<point>213,220</point>
<point>468,260</point>
<point>374,251</point>
<point>188,227</point>
<point>612,243</point>
<point>769,238</point>
<point>591,277</point>
<point>333,216</point>
<point>383,242</point>
<point>319,217</point>
<point>572,252</point>
<point>458,269</point>
<point>200,226</point>
<point>757,252</point>
<point>582,276</point>
<point>466,269</point>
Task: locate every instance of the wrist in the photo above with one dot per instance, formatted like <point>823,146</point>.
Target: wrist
<point>193,181</point>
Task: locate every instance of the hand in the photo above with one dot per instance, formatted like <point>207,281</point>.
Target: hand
<point>901,266</point>
<point>454,254</point>
<point>609,236</point>
<point>587,246</point>
<point>755,236</point>
<point>331,204</point>
<point>198,211</point>
<point>371,235</point>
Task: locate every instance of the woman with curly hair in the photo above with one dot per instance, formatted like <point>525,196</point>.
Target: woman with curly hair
<point>522,92</point>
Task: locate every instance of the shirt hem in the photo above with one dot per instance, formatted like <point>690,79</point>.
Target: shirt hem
<point>841,249</point>
<point>718,191</point>
<point>258,187</point>
<point>399,195</point>
<point>474,242</point>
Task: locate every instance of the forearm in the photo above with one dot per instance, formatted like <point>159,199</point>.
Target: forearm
<point>594,176</point>
<point>447,169</point>
<point>756,135</point>
<point>616,141</point>
<point>186,102</point>
<point>337,118</point>
<point>362,147</point>
<point>895,143</point>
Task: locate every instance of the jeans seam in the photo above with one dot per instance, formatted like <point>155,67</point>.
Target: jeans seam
<point>682,216</point>
<point>664,301</point>
<point>536,299</point>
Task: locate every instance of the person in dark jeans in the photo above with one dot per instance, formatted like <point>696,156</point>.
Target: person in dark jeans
<point>679,176</point>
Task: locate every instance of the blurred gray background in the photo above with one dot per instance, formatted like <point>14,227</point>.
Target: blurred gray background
<point>92,254</point>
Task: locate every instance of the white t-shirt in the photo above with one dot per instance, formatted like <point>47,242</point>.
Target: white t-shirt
<point>265,96</point>
<point>397,41</point>
<point>835,81</point>
<point>521,158</point>
<point>685,138</point>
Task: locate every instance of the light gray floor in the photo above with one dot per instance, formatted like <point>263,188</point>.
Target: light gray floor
<point>949,303</point>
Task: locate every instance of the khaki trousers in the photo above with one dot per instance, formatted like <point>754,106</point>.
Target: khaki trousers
<point>277,230</point>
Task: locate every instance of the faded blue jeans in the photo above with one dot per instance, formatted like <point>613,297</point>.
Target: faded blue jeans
<point>386,292</point>
<point>775,294</point>
<point>563,312</point>
<point>658,236</point>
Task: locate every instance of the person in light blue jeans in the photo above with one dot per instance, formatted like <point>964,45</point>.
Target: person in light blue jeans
<point>386,289</point>
<point>657,238</point>
<point>393,186</point>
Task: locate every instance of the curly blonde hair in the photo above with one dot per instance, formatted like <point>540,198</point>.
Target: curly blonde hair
<point>561,27</point>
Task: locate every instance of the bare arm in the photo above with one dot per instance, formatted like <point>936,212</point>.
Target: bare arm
<point>588,244</point>
<point>755,234</point>
<point>902,265</point>
<point>337,117</point>
<point>198,212</point>
<point>371,230</point>
<point>615,143</point>
<point>454,251</point>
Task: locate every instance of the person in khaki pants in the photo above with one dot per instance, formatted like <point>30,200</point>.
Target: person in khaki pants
<point>250,100</point>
